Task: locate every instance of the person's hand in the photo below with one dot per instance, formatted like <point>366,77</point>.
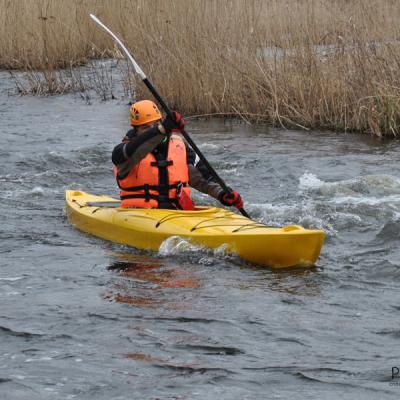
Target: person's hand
<point>231,198</point>
<point>173,123</point>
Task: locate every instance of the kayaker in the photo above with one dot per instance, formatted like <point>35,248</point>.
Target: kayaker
<point>155,168</point>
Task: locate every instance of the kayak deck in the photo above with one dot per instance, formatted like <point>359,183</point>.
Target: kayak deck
<point>208,226</point>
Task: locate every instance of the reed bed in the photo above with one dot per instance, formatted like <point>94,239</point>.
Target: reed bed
<point>330,64</point>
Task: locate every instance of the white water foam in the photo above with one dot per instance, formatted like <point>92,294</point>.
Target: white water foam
<point>176,245</point>
<point>309,181</point>
<point>393,200</point>
<point>348,203</point>
<point>36,191</point>
<point>12,279</point>
<point>232,171</point>
<point>210,146</point>
<point>360,186</point>
<point>303,213</point>
<point>365,191</point>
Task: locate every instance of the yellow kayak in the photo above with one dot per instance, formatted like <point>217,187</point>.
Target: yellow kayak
<point>212,227</point>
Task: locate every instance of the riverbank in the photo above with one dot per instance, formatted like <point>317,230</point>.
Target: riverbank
<point>312,65</point>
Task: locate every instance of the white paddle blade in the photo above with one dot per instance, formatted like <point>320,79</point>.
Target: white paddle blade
<point>124,49</point>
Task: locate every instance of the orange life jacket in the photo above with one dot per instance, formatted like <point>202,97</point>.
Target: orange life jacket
<point>146,185</point>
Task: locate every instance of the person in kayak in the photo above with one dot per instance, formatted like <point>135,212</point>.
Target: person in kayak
<point>155,168</point>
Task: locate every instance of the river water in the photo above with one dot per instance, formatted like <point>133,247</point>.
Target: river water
<point>82,318</point>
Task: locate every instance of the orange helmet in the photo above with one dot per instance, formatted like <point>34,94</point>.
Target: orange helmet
<point>143,112</point>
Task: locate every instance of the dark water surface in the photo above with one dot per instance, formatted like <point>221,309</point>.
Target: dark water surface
<point>82,318</point>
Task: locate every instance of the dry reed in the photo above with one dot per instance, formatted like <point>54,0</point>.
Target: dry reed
<point>330,64</point>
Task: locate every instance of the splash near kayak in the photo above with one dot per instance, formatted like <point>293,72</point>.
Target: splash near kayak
<point>211,227</point>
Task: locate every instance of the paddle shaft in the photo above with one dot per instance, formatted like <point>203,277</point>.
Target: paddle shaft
<point>167,110</point>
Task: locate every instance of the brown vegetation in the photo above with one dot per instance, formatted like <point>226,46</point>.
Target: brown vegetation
<point>329,64</point>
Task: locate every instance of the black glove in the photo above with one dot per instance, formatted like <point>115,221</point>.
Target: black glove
<point>173,123</point>
<point>231,198</point>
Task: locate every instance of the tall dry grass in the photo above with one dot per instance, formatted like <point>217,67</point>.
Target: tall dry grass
<point>329,64</point>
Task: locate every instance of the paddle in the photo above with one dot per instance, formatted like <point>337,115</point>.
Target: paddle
<point>166,108</point>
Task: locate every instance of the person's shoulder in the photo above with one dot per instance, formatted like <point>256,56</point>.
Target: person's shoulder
<point>129,135</point>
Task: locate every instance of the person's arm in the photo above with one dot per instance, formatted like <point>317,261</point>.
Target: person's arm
<point>201,179</point>
<point>197,181</point>
<point>199,176</point>
<point>132,151</point>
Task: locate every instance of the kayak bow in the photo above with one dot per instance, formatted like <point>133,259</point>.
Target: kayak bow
<point>212,227</point>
